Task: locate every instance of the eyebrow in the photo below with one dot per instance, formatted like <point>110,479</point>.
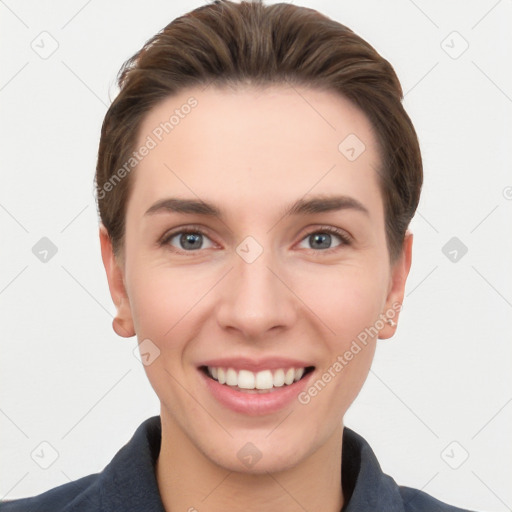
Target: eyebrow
<point>317,204</point>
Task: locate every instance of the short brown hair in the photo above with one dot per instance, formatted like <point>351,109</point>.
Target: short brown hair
<point>234,43</point>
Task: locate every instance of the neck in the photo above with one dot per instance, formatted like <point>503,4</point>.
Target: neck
<point>190,481</point>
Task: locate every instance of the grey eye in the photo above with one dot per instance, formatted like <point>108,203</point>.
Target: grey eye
<point>321,240</point>
<point>189,241</point>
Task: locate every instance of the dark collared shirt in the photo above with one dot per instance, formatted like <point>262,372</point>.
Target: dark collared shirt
<point>128,483</point>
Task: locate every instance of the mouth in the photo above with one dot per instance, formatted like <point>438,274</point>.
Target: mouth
<point>261,382</point>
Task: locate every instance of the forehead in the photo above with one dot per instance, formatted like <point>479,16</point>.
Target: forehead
<point>272,142</point>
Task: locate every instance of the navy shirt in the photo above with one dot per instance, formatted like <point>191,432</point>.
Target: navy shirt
<point>128,483</point>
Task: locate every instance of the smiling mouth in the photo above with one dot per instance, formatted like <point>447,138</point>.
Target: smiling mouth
<point>264,381</point>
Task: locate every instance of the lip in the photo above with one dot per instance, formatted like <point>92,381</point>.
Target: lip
<point>255,404</point>
<point>256,365</point>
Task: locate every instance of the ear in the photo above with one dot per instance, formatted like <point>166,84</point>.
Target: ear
<point>395,298</point>
<point>123,321</point>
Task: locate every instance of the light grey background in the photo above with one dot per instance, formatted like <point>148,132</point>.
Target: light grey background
<point>439,391</point>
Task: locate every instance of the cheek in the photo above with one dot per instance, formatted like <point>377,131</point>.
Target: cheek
<point>346,298</point>
<point>169,306</point>
<point>159,297</point>
<point>348,302</point>
<point>163,307</point>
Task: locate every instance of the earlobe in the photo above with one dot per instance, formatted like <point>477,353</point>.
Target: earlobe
<point>122,324</point>
<point>394,300</point>
<point>123,321</point>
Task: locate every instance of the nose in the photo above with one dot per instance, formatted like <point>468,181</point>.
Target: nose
<point>256,298</point>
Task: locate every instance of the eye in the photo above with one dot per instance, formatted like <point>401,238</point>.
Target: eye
<point>189,240</point>
<point>194,239</point>
<point>324,237</point>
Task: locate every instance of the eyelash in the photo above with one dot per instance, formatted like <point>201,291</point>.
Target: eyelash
<point>346,239</point>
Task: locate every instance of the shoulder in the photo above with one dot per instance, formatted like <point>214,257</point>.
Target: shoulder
<point>415,500</point>
<point>127,483</point>
<point>369,488</point>
<point>72,496</point>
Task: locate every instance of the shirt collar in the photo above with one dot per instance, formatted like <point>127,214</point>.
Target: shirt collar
<point>129,481</point>
<point>365,486</point>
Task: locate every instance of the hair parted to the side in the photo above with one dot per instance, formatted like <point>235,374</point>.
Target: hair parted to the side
<point>236,43</point>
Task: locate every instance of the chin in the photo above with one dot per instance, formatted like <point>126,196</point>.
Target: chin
<point>271,463</point>
<point>260,454</point>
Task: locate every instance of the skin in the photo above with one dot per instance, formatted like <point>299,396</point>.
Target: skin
<point>252,152</point>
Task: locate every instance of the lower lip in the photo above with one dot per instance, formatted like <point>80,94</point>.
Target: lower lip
<point>255,404</point>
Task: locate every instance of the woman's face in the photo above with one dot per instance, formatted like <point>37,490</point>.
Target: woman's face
<point>255,242</point>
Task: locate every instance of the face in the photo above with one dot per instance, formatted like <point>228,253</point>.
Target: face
<point>255,248</point>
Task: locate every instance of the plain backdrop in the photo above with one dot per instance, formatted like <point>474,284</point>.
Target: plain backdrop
<point>436,407</point>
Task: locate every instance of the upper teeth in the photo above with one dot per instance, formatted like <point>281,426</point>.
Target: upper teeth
<point>246,379</point>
